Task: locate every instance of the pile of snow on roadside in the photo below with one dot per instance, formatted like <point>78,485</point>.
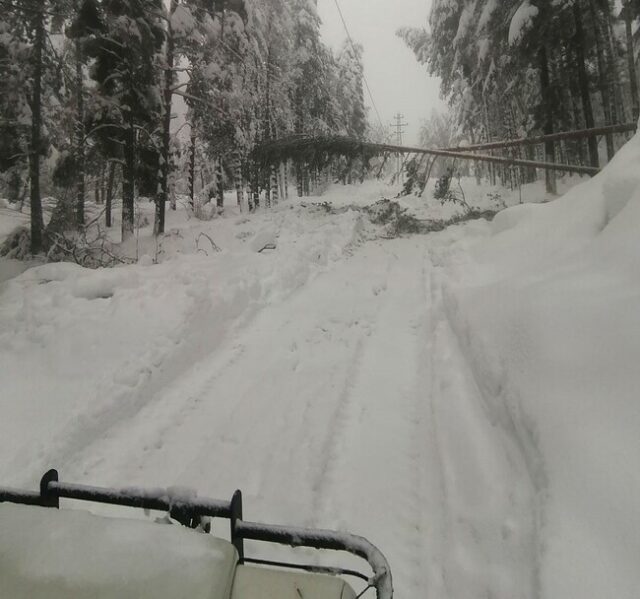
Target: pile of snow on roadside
<point>547,312</point>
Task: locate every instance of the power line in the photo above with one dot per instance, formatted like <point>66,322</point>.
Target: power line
<point>399,126</point>
<point>364,78</point>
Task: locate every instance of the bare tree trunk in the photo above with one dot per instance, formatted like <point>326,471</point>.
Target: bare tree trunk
<point>285,174</point>
<point>165,163</point>
<point>583,78</point>
<point>80,133</point>
<point>265,179</point>
<point>282,193</point>
<point>305,180</point>
<point>602,81</point>
<point>255,184</point>
<point>103,183</point>
<point>238,181</point>
<point>299,179</point>
<point>219,183</point>
<point>547,99</point>
<point>633,80</point>
<point>492,170</point>
<point>128,178</point>
<point>109,198</point>
<point>251,176</point>
<point>37,221</point>
<point>274,185</point>
<point>614,78</point>
<point>192,169</point>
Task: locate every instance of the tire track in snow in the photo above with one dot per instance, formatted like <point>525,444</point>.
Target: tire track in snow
<point>339,423</point>
<point>257,416</point>
<point>375,484</point>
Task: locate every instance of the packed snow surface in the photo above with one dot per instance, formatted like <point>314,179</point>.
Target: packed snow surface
<point>466,400</point>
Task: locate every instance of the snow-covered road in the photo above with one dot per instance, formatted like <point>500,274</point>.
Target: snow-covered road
<point>440,394</point>
<point>346,405</point>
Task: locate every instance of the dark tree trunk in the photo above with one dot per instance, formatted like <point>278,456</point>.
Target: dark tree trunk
<point>286,180</point>
<point>37,222</point>
<point>165,163</point>
<point>102,185</point>
<point>80,133</point>
<point>192,169</point>
<point>128,178</point>
<point>274,184</point>
<point>109,197</point>
<point>583,78</point>
<point>633,80</point>
<point>251,176</point>
<point>219,183</point>
<point>614,78</point>
<point>238,180</point>
<point>602,78</point>
<point>299,179</point>
<point>547,102</point>
<point>255,187</point>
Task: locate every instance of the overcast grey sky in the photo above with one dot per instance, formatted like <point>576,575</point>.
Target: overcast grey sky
<point>397,81</point>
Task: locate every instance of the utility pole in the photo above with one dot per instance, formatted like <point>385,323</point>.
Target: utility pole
<point>399,126</point>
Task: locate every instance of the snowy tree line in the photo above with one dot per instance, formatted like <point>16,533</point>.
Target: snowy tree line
<point>516,68</point>
<point>89,87</point>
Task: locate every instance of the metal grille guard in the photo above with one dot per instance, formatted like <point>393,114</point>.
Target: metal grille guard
<point>189,511</point>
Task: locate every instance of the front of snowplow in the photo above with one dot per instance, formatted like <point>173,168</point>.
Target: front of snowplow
<point>73,554</point>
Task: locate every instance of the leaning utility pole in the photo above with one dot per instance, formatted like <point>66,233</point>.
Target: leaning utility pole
<point>399,126</point>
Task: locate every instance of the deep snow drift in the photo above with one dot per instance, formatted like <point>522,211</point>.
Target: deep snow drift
<point>546,311</point>
<point>465,399</point>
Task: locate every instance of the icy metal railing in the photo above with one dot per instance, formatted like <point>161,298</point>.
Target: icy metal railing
<point>190,510</point>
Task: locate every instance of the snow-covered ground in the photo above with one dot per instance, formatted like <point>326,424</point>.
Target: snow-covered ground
<point>464,399</point>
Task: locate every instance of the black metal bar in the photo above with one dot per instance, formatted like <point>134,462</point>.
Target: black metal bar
<point>325,539</point>
<point>234,517</point>
<point>19,496</point>
<point>308,568</point>
<point>48,496</point>
<point>155,499</point>
<point>51,490</point>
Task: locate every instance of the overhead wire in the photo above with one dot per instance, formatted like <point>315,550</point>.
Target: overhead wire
<point>364,77</point>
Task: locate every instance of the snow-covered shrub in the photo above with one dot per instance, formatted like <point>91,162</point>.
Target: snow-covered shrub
<point>17,244</point>
<point>448,194</point>
<point>394,217</point>
<point>88,247</point>
<point>62,217</point>
<point>443,185</point>
<point>204,208</point>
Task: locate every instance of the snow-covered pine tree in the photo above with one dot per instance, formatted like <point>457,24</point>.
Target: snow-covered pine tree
<point>15,114</point>
<point>524,67</point>
<point>126,71</point>
<point>214,91</point>
<point>85,25</point>
<point>350,92</point>
<point>23,49</point>
<point>309,94</point>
